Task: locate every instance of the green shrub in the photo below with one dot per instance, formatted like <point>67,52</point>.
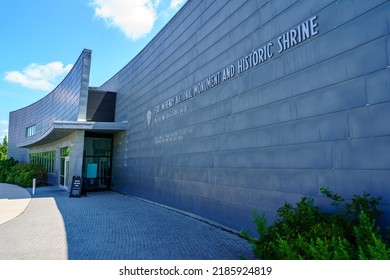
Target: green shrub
<point>13,172</point>
<point>25,173</point>
<point>306,232</point>
<point>369,242</point>
<point>5,168</point>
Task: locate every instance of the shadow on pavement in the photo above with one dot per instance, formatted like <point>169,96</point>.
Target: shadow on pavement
<point>111,226</point>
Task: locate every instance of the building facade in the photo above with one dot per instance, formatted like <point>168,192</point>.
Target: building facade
<point>235,106</point>
<point>69,131</point>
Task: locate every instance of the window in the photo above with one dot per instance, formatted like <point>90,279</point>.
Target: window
<point>31,130</point>
<point>46,159</point>
<point>65,152</point>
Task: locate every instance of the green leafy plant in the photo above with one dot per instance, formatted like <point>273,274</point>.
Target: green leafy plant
<point>305,232</point>
<point>4,149</point>
<point>5,168</point>
<point>13,172</point>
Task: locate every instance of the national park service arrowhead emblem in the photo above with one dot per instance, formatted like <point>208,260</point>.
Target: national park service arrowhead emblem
<point>149,117</point>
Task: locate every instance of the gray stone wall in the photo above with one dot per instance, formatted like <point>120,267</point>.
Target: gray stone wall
<point>75,142</point>
<point>314,113</point>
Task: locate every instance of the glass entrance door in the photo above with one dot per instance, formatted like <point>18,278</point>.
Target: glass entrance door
<point>64,172</point>
<point>97,162</point>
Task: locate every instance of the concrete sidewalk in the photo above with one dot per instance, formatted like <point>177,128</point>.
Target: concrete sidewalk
<point>13,201</point>
<point>111,226</point>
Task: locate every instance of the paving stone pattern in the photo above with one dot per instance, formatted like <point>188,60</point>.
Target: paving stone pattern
<point>107,226</point>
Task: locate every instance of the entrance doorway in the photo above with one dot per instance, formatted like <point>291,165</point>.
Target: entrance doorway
<point>97,161</point>
<point>66,172</point>
<point>64,167</point>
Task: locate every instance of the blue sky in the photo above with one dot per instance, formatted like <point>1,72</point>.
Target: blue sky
<point>41,39</point>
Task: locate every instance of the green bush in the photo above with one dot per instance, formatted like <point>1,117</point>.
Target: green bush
<point>306,232</point>
<point>13,172</point>
<point>5,168</point>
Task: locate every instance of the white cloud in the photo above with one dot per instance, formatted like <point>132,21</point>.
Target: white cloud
<point>3,122</point>
<point>38,76</point>
<point>134,18</point>
<point>175,3</point>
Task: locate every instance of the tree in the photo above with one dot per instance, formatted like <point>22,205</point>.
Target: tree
<point>4,148</point>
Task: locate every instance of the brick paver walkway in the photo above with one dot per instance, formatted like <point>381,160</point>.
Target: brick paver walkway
<point>109,225</point>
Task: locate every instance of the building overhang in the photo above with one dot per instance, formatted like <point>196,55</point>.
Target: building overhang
<point>61,129</point>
